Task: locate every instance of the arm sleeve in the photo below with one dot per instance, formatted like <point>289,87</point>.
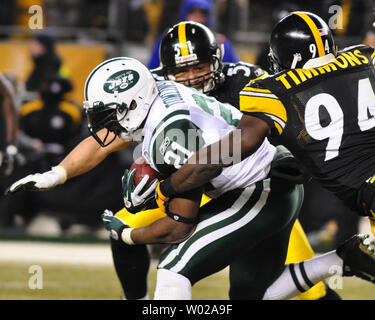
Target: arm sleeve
<point>263,104</point>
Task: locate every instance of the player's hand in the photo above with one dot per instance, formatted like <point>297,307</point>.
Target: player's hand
<point>137,197</point>
<point>160,198</point>
<point>39,181</point>
<point>113,224</point>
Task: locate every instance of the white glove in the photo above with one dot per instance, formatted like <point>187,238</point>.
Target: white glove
<point>135,199</point>
<point>39,181</point>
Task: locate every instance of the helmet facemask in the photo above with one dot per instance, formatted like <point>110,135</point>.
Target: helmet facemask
<point>204,83</point>
<point>274,64</point>
<point>276,67</point>
<point>103,116</point>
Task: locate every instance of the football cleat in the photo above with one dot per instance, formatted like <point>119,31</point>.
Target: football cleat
<point>358,254</point>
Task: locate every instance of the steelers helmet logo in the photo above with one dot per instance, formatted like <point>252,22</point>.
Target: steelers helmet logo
<point>121,81</point>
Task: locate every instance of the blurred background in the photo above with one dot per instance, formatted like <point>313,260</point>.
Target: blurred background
<point>47,50</point>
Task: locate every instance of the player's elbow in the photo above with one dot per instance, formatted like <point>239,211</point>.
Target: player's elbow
<point>205,172</point>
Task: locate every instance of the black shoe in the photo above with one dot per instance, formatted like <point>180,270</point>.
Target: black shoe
<point>358,254</point>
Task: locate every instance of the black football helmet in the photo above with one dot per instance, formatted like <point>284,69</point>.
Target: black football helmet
<point>297,38</point>
<point>189,43</point>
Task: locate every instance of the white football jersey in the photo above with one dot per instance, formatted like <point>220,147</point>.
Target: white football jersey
<point>182,120</point>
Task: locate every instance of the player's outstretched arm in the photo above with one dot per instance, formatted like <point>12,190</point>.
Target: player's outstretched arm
<point>88,154</point>
<point>84,157</point>
<point>199,170</point>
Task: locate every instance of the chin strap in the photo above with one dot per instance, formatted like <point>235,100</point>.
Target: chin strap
<point>296,58</point>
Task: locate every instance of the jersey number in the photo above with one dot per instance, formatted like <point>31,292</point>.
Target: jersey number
<point>335,129</point>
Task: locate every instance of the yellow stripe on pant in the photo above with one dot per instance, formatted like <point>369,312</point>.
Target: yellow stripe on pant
<point>145,218</point>
<point>299,248</point>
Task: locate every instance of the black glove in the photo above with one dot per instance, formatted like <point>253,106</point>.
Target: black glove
<point>366,199</point>
<point>286,167</point>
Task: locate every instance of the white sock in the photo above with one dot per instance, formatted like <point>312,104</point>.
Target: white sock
<point>299,277</point>
<point>172,286</point>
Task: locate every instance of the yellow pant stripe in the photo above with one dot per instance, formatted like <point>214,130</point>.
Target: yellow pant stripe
<point>140,219</point>
<point>299,249</point>
<point>145,218</point>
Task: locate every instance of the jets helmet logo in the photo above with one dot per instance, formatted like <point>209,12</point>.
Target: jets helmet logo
<point>121,81</point>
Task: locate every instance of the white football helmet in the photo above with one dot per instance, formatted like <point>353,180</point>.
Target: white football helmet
<point>118,96</point>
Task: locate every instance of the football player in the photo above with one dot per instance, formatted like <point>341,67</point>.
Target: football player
<point>319,104</point>
<point>200,66</point>
<point>8,127</point>
<point>253,209</point>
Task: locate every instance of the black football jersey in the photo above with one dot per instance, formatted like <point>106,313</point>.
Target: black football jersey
<point>236,76</point>
<point>325,116</point>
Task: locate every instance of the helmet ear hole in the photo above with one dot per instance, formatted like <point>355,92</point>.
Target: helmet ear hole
<point>133,105</point>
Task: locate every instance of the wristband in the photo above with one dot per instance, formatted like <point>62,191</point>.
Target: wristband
<point>61,172</point>
<point>167,189</point>
<point>125,236</point>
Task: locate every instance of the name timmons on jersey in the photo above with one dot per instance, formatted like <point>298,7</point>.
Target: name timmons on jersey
<point>172,148</point>
<point>346,59</point>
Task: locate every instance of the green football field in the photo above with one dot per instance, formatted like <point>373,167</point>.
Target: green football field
<point>89,282</point>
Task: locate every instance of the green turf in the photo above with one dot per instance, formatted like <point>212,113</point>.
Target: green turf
<point>84,282</point>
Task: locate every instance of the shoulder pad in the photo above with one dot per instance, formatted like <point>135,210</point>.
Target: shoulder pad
<point>362,47</point>
<point>244,69</point>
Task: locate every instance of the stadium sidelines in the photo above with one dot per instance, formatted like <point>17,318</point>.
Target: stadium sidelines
<point>42,252</point>
<point>70,253</point>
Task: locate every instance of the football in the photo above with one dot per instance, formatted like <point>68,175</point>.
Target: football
<point>143,168</point>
